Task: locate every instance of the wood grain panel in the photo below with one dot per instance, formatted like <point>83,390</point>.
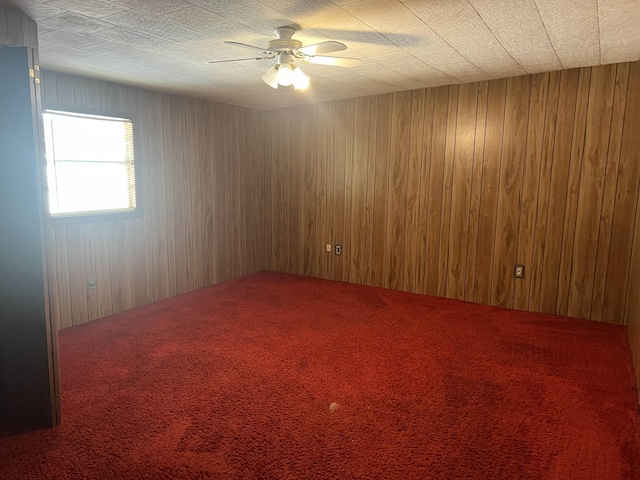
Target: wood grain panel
<point>339,141</point>
<point>77,274</point>
<point>461,189</point>
<point>414,175</point>
<point>103,268</point>
<point>483,292</point>
<point>294,182</point>
<point>397,204</point>
<point>531,185</point>
<point>511,166</point>
<point>62,277</point>
<point>371,188</point>
<point>308,194</point>
<point>120,261</point>
<point>536,269</point>
<point>591,189</point>
<point>447,190</point>
<point>357,242</point>
<point>620,273</point>
<point>383,135</point>
<point>286,197</point>
<point>436,189</point>
<point>476,190</point>
<point>143,178</point>
<point>90,270</point>
<point>609,194</point>
<point>566,196</point>
<point>168,198</point>
<point>323,185</point>
<point>422,273</point>
<point>200,166</point>
<point>341,263</point>
<point>632,304</point>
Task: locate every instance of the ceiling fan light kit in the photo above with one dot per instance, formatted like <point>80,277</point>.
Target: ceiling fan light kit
<point>271,77</point>
<point>285,72</point>
<point>300,80</point>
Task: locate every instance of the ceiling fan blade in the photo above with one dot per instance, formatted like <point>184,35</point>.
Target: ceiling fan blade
<point>322,48</point>
<point>335,61</point>
<point>245,45</point>
<point>381,38</point>
<point>241,59</point>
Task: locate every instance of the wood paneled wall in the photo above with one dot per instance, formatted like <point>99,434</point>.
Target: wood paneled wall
<point>16,28</point>
<point>204,196</point>
<point>441,191</point>
<point>438,191</point>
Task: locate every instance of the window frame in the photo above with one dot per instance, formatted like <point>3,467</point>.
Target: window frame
<point>92,217</point>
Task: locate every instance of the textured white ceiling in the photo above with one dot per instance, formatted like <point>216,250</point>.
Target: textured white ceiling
<point>166,44</point>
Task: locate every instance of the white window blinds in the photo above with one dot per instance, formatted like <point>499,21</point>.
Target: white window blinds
<point>90,163</point>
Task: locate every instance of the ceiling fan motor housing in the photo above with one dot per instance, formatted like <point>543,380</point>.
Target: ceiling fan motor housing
<point>284,44</point>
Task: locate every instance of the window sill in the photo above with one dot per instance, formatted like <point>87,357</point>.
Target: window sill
<point>73,219</point>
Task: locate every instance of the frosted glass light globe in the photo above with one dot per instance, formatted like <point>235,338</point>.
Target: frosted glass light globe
<point>285,75</point>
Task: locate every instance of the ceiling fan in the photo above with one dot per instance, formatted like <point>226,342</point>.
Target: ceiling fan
<point>287,51</point>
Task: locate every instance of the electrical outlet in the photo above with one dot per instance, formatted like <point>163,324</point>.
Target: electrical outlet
<point>338,249</point>
<point>91,283</point>
<point>518,271</point>
<point>328,248</point>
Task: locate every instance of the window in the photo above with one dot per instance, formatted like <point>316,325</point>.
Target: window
<point>90,163</point>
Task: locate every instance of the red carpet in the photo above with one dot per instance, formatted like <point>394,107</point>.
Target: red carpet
<point>236,382</point>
